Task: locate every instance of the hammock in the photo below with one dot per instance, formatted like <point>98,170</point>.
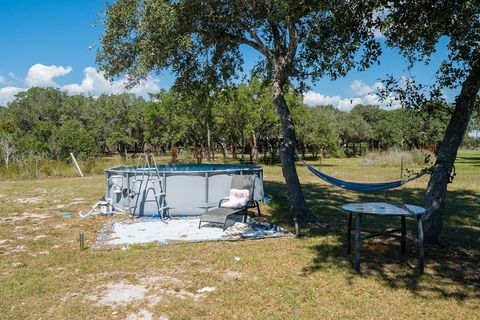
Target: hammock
<point>359,186</point>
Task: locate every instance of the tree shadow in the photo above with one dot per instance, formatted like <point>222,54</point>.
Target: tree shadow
<point>452,267</point>
<point>470,161</point>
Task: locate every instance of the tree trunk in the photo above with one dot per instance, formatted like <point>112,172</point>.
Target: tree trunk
<point>254,149</point>
<point>242,149</point>
<point>209,158</point>
<point>447,153</point>
<point>223,145</point>
<point>298,206</point>
<point>265,150</point>
<point>234,152</point>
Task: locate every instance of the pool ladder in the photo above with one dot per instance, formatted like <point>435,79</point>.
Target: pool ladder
<point>146,174</point>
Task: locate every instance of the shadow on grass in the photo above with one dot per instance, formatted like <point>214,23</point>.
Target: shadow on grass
<point>470,161</point>
<point>452,266</point>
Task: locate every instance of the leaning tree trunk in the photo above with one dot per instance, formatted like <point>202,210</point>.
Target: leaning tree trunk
<point>298,206</point>
<point>447,153</point>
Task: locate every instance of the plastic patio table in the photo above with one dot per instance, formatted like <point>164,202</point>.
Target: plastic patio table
<point>385,210</point>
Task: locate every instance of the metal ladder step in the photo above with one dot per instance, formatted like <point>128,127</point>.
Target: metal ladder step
<point>146,170</point>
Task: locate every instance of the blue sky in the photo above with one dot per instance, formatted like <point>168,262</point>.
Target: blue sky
<point>54,42</point>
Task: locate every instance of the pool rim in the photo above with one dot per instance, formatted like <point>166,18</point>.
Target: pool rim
<point>235,168</point>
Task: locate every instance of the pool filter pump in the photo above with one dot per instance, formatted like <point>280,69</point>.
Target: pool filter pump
<point>105,206</point>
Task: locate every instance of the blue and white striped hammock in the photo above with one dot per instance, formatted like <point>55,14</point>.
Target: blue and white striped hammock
<point>360,186</point>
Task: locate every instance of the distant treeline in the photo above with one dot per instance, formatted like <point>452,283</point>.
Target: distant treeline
<point>46,123</point>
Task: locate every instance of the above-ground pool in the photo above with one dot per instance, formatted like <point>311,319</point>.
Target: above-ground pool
<point>190,189</point>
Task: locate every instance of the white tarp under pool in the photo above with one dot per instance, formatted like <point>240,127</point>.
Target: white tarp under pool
<point>145,230</point>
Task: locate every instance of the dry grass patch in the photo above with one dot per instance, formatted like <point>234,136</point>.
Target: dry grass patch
<point>44,275</point>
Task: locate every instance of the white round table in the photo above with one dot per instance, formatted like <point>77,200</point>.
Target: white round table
<point>383,209</point>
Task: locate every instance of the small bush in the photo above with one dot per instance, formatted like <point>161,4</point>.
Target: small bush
<point>339,154</point>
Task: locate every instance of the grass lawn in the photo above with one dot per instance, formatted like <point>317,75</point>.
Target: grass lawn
<point>43,274</point>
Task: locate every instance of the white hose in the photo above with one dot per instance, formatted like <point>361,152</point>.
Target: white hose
<point>83,214</point>
<point>87,214</point>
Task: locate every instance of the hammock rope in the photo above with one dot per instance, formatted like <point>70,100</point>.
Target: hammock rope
<point>361,186</point>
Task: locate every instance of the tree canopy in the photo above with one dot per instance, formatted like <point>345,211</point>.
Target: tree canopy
<point>200,41</point>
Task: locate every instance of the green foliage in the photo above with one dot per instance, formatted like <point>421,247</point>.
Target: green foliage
<point>48,123</point>
<point>472,143</point>
<point>73,137</point>
<point>353,128</point>
<point>200,40</point>
<point>175,118</point>
<point>317,128</point>
<point>246,112</point>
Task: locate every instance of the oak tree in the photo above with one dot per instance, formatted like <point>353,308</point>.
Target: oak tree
<point>416,27</point>
<point>202,40</point>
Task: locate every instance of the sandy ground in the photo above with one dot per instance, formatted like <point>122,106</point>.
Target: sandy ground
<point>127,232</point>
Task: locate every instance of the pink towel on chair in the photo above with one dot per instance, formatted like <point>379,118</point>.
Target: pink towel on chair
<point>237,199</point>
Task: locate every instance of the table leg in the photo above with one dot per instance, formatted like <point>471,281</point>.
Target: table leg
<point>357,242</point>
<point>404,236</point>
<point>349,234</point>
<point>421,258</point>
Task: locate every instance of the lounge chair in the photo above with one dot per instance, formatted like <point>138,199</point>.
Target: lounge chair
<point>221,214</point>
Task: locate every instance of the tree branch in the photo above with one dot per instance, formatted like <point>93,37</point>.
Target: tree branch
<point>233,38</point>
<point>293,42</point>
<point>257,43</point>
<point>276,38</point>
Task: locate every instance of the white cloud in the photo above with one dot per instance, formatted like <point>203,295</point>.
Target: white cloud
<point>371,99</point>
<point>360,88</point>
<point>7,94</point>
<point>94,83</point>
<point>313,98</point>
<point>363,94</point>
<point>42,76</point>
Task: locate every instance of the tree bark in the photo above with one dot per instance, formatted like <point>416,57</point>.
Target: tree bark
<point>254,148</point>
<point>242,138</point>
<point>265,150</point>
<point>447,153</point>
<point>234,152</point>
<point>298,206</point>
<point>209,158</point>
<point>223,145</point>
